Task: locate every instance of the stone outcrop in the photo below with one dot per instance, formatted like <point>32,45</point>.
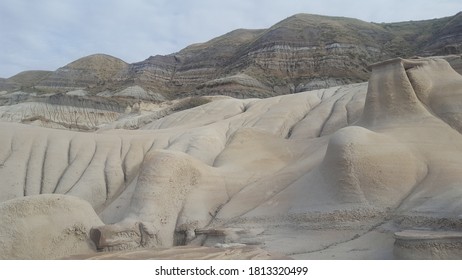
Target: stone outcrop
<point>73,111</point>
<point>48,226</point>
<point>428,245</point>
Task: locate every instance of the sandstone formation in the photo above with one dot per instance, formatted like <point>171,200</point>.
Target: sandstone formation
<point>48,226</point>
<point>71,111</point>
<point>328,173</point>
<point>428,245</point>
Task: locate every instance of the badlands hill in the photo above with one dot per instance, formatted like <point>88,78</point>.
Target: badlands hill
<point>300,53</point>
<point>84,73</point>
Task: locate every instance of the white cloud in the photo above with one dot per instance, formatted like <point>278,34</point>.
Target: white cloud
<point>47,34</point>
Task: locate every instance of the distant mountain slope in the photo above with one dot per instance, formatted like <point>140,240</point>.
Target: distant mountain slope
<point>5,84</point>
<point>29,78</point>
<point>447,39</point>
<point>302,52</point>
<point>85,72</point>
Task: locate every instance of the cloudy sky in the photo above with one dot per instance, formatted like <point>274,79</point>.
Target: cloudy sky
<point>48,34</point>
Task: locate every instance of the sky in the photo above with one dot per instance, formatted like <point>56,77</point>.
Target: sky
<point>48,34</point>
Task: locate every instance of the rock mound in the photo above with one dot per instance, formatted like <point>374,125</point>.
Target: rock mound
<point>46,227</point>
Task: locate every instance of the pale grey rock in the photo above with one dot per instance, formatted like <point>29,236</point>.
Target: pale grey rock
<point>47,226</point>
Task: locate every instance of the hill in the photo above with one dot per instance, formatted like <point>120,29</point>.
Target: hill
<point>302,52</point>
